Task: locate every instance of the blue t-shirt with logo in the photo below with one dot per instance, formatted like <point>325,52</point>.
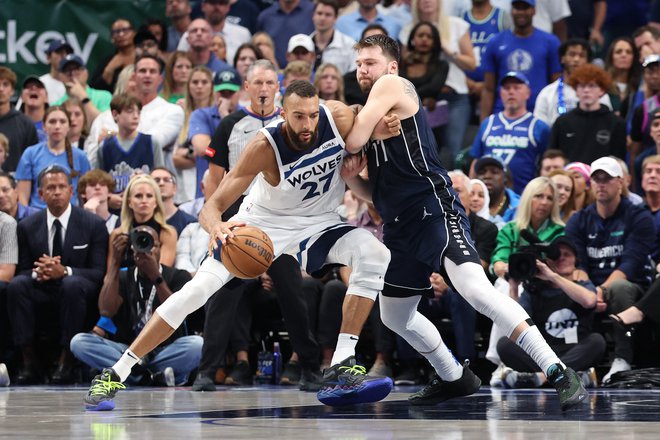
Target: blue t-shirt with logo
<point>519,143</point>
<point>38,157</point>
<point>537,56</point>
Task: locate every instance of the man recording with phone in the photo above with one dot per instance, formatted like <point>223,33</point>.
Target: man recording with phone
<point>561,301</point>
<point>128,298</point>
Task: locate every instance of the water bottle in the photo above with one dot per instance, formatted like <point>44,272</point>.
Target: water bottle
<point>264,366</point>
<point>277,363</point>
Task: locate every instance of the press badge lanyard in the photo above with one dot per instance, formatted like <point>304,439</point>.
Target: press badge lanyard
<point>148,307</point>
<point>561,103</point>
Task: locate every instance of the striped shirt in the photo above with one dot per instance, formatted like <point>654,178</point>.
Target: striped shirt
<point>9,242</point>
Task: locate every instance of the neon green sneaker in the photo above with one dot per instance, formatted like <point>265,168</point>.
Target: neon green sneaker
<point>102,391</point>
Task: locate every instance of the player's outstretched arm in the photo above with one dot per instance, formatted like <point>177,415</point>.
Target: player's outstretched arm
<point>257,157</point>
<point>389,94</point>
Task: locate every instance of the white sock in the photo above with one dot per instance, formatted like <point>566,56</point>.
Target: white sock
<point>444,362</point>
<point>345,347</point>
<point>125,364</point>
<point>537,348</point>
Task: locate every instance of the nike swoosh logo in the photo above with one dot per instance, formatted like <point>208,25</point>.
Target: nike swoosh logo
<point>570,135</point>
<point>353,338</point>
<point>592,236</point>
<point>248,131</point>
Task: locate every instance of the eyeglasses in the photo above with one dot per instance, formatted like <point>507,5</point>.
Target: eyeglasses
<point>164,179</point>
<point>123,30</point>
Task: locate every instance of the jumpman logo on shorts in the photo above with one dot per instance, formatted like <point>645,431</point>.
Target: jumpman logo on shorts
<point>426,214</point>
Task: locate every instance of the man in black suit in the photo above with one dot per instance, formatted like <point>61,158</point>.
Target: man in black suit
<point>61,264</point>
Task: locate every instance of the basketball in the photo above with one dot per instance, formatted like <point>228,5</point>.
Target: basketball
<point>248,254</point>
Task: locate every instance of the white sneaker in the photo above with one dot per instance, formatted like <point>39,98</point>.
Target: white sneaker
<point>618,365</point>
<point>496,378</point>
<point>4,376</point>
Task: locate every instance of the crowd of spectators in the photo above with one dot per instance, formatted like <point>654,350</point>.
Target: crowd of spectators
<point>548,110</point>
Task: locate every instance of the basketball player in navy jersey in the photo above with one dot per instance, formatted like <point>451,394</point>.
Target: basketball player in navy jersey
<point>295,164</point>
<point>426,230</point>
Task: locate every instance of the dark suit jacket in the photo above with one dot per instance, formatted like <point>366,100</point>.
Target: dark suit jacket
<point>85,247</point>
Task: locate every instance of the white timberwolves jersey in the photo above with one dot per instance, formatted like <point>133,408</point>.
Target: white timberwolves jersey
<point>310,181</point>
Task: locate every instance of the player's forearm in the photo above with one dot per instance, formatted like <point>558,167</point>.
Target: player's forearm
<point>581,295</point>
<point>209,215</point>
<point>359,187</point>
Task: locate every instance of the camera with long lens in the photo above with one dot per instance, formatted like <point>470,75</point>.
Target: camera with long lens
<point>141,240</point>
<point>522,263</point>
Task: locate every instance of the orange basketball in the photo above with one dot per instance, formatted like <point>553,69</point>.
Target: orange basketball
<point>248,254</point>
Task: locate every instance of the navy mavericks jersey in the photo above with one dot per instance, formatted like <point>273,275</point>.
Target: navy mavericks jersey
<point>405,170</point>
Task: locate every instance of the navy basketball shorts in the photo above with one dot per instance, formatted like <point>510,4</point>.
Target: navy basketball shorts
<point>418,242</point>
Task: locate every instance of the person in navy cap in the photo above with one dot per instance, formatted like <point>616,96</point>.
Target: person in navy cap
<point>57,49</point>
<point>74,75</point>
<point>514,135</point>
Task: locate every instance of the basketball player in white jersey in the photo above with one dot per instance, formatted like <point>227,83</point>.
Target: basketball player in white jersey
<point>296,163</point>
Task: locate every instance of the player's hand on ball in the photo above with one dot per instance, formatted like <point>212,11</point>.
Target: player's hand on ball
<point>352,165</point>
<point>221,231</point>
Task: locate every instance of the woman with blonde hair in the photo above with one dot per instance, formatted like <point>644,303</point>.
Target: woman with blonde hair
<point>457,50</point>
<point>565,192</point>
<point>142,205</point>
<point>538,213</point>
<point>329,82</point>
<point>177,72</point>
<point>199,94</point>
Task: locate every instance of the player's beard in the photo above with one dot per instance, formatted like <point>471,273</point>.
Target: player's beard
<point>294,138</point>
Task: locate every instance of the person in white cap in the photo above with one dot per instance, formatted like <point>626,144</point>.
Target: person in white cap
<point>301,48</point>
<point>613,247</point>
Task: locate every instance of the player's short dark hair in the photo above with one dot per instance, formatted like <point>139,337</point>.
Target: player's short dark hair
<point>332,3</point>
<point>553,153</point>
<point>12,181</point>
<point>52,169</point>
<point>373,26</point>
<point>304,89</point>
<point>655,32</point>
<point>563,48</point>
<point>124,101</point>
<point>389,46</point>
<point>160,63</point>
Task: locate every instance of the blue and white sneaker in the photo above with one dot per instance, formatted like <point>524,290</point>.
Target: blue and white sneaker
<point>347,383</point>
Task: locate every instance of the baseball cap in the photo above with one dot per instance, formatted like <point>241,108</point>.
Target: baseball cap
<point>529,2</point>
<point>607,164</point>
<point>300,40</point>
<point>33,79</point>
<point>72,58</point>
<point>489,160</point>
<point>227,79</point>
<point>562,239</point>
<point>57,44</point>
<point>517,76</point>
<point>651,59</point>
